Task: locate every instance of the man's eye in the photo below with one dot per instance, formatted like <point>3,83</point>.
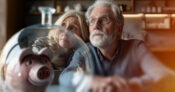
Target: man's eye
<point>91,22</point>
<point>104,20</point>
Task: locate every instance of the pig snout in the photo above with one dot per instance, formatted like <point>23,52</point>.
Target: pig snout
<point>40,75</point>
<point>43,73</point>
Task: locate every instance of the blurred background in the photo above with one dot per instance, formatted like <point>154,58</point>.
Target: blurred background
<point>152,21</point>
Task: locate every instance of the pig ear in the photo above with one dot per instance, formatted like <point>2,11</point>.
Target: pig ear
<point>47,52</point>
<point>25,52</point>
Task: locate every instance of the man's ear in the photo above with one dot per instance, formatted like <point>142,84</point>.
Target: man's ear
<point>120,28</point>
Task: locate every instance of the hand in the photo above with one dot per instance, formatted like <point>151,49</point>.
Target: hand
<point>109,84</point>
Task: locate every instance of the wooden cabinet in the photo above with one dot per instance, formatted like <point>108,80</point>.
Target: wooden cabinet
<point>32,16</point>
<point>31,6</point>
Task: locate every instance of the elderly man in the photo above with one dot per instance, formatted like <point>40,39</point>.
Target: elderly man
<point>118,65</point>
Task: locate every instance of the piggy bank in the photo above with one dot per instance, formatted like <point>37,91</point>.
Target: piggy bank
<point>21,68</point>
<point>29,66</point>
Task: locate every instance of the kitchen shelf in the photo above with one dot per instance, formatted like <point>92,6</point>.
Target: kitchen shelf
<point>131,6</point>
<point>38,13</point>
<point>156,29</point>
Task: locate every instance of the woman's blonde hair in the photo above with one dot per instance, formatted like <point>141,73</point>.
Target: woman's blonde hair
<point>81,19</point>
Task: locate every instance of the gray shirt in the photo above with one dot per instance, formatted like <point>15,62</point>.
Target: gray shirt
<point>125,62</point>
<point>131,60</point>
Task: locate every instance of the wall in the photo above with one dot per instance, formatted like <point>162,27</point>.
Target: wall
<point>2,23</point>
<point>14,17</point>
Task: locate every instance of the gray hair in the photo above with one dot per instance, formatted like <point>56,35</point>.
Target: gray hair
<point>115,9</point>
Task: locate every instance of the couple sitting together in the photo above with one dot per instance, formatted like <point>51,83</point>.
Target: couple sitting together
<point>117,65</point>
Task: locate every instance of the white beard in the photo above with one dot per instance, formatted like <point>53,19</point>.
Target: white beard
<point>102,41</point>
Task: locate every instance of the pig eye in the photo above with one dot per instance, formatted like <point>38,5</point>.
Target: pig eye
<point>29,62</point>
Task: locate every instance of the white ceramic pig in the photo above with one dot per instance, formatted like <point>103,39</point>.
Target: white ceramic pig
<point>21,68</point>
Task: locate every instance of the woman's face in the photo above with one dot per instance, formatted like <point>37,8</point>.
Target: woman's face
<point>71,24</point>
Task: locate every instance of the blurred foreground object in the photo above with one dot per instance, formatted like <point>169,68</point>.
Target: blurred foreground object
<point>21,68</point>
<point>27,66</point>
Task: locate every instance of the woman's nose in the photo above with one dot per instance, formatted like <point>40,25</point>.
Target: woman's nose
<point>67,27</point>
<point>64,33</point>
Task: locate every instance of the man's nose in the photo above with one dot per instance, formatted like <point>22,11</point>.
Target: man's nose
<point>96,25</point>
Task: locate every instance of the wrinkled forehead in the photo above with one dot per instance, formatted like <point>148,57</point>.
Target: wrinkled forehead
<point>101,10</point>
<point>70,19</point>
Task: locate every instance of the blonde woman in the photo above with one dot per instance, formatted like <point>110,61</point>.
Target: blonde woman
<point>60,42</point>
<point>73,21</point>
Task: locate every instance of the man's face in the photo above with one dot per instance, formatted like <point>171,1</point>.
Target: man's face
<point>103,27</point>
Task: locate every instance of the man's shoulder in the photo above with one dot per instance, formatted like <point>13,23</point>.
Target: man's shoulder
<point>131,42</point>
<point>88,46</point>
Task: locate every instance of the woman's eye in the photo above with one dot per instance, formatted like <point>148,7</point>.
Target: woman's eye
<point>63,24</point>
<point>72,28</point>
